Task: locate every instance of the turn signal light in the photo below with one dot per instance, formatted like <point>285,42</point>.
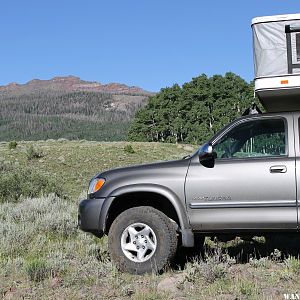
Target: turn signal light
<point>98,185</point>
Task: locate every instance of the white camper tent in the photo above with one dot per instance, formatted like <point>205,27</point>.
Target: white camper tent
<point>276,45</point>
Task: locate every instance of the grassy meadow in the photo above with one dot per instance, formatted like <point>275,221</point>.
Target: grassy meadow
<point>44,256</point>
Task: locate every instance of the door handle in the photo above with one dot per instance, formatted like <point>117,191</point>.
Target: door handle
<point>278,169</point>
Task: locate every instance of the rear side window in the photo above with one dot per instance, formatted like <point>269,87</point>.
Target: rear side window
<point>255,138</point>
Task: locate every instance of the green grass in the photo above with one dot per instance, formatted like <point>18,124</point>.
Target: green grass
<point>75,162</point>
<point>43,255</point>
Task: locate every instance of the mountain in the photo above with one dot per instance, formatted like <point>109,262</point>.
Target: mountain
<point>68,107</point>
<point>71,84</point>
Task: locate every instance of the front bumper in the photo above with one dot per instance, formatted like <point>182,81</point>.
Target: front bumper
<point>89,216</point>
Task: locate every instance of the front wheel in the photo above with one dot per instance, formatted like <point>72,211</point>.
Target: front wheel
<point>142,240</point>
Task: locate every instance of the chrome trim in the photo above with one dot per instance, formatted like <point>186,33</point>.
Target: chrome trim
<point>248,204</point>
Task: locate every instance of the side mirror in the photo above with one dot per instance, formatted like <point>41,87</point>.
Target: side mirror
<point>206,152</point>
<point>206,155</point>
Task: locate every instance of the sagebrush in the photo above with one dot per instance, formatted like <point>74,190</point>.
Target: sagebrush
<point>17,181</point>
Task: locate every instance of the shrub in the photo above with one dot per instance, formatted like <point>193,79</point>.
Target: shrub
<point>293,265</point>
<point>263,262</point>
<point>213,270</point>
<point>16,182</point>
<point>26,226</point>
<point>214,267</point>
<point>276,255</point>
<point>129,149</point>
<point>36,269</point>
<point>12,145</point>
<point>33,153</point>
<point>247,288</point>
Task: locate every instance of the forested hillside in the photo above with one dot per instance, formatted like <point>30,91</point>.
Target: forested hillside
<point>67,107</point>
<point>194,112</point>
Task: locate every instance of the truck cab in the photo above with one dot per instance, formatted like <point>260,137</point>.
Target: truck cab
<point>250,178</point>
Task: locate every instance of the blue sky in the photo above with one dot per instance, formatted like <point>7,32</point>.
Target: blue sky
<point>151,44</point>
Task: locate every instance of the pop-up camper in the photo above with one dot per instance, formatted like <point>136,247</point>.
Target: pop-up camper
<point>276,45</point>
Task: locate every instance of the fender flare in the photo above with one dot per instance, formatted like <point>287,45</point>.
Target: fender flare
<point>184,224</point>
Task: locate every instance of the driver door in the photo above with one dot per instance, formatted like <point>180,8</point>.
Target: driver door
<point>252,183</point>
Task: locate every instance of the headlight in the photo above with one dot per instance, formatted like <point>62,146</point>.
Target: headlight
<point>95,185</point>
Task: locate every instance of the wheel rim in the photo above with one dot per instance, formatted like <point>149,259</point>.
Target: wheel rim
<point>138,242</point>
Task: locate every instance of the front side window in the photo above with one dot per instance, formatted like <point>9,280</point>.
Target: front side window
<point>256,138</point>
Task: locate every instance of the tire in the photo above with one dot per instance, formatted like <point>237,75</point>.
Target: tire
<point>139,227</point>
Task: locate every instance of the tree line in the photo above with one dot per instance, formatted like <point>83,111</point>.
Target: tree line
<point>194,112</point>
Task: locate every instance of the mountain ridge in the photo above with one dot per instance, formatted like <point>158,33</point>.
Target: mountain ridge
<point>72,83</point>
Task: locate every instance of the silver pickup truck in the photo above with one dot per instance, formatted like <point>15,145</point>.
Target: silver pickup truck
<point>243,182</point>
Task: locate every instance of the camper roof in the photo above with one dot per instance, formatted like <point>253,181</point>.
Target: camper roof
<point>275,18</point>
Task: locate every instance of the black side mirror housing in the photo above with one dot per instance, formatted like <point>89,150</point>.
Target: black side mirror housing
<point>206,155</point>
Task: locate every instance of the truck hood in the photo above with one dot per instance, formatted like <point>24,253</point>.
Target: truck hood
<point>167,173</point>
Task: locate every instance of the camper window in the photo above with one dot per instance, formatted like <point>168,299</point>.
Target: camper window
<point>298,46</point>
